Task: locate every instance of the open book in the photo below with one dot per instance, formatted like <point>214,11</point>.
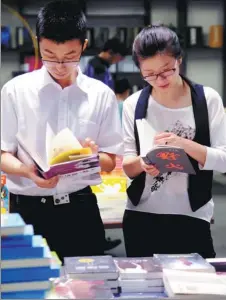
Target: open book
<point>65,156</point>
<point>166,158</point>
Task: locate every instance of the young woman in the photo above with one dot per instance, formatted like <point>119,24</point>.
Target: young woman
<point>172,211</point>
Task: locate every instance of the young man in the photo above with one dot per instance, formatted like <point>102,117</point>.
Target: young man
<point>59,96</point>
<point>98,67</point>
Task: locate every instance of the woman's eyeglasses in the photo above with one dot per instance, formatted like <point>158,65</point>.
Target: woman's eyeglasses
<point>164,74</point>
<point>53,64</point>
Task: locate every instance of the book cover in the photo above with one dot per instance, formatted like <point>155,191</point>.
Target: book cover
<point>99,266</point>
<point>29,274</point>
<point>65,156</point>
<point>85,289</point>
<point>19,240</point>
<point>139,268</point>
<point>37,250</point>
<point>193,283</point>
<point>44,261</point>
<point>41,294</point>
<point>169,159</point>
<point>25,286</point>
<point>166,158</point>
<point>189,262</point>
<point>79,168</point>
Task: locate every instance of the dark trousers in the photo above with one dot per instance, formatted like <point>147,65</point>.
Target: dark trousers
<point>146,234</point>
<point>72,229</point>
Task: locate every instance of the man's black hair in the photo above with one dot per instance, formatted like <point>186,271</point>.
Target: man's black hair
<point>115,47</point>
<point>122,85</point>
<point>153,40</point>
<point>61,21</point>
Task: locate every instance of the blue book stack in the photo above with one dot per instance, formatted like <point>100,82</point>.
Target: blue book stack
<point>27,263</point>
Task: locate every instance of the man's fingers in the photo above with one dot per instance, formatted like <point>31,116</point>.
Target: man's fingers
<point>46,183</point>
<point>87,142</point>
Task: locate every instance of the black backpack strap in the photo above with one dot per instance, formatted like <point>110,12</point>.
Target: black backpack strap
<point>200,185</point>
<point>136,188</point>
<point>141,112</point>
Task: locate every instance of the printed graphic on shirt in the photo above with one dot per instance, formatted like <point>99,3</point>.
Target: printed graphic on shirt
<point>181,130</point>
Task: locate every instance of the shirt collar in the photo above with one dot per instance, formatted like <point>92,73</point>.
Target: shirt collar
<point>48,80</point>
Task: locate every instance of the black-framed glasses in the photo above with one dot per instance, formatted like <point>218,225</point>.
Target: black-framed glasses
<point>53,64</point>
<point>163,74</point>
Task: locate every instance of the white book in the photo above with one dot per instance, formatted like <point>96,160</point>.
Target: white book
<point>150,289</point>
<point>63,156</point>
<point>146,136</point>
<point>140,283</point>
<point>138,268</point>
<point>182,283</point>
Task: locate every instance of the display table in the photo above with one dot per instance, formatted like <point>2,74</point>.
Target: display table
<point>112,211</point>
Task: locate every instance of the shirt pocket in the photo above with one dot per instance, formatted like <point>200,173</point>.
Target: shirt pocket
<point>83,128</point>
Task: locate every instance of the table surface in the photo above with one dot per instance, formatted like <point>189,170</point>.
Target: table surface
<point>112,209</point>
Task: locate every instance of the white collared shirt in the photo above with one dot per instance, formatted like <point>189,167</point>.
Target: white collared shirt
<point>32,103</point>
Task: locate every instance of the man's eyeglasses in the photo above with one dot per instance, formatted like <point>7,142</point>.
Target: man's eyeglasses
<point>52,64</point>
<point>164,74</point>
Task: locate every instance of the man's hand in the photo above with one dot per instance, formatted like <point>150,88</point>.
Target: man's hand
<point>149,169</point>
<point>89,143</point>
<point>41,182</point>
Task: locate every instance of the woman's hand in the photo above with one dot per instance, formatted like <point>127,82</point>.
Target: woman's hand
<point>149,169</point>
<point>169,138</point>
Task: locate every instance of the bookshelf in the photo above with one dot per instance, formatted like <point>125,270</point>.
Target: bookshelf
<point>124,14</point>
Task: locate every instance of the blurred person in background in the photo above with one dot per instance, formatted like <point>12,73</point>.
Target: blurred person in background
<point>122,92</point>
<point>98,67</point>
<point>112,52</point>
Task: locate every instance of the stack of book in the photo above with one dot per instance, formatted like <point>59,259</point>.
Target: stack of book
<point>93,268</point>
<point>191,275</point>
<point>140,275</point>
<point>195,285</point>
<point>66,288</point>
<point>26,261</point>
<point>219,264</point>
<point>185,262</point>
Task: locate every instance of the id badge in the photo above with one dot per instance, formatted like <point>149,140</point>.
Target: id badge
<point>61,199</point>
